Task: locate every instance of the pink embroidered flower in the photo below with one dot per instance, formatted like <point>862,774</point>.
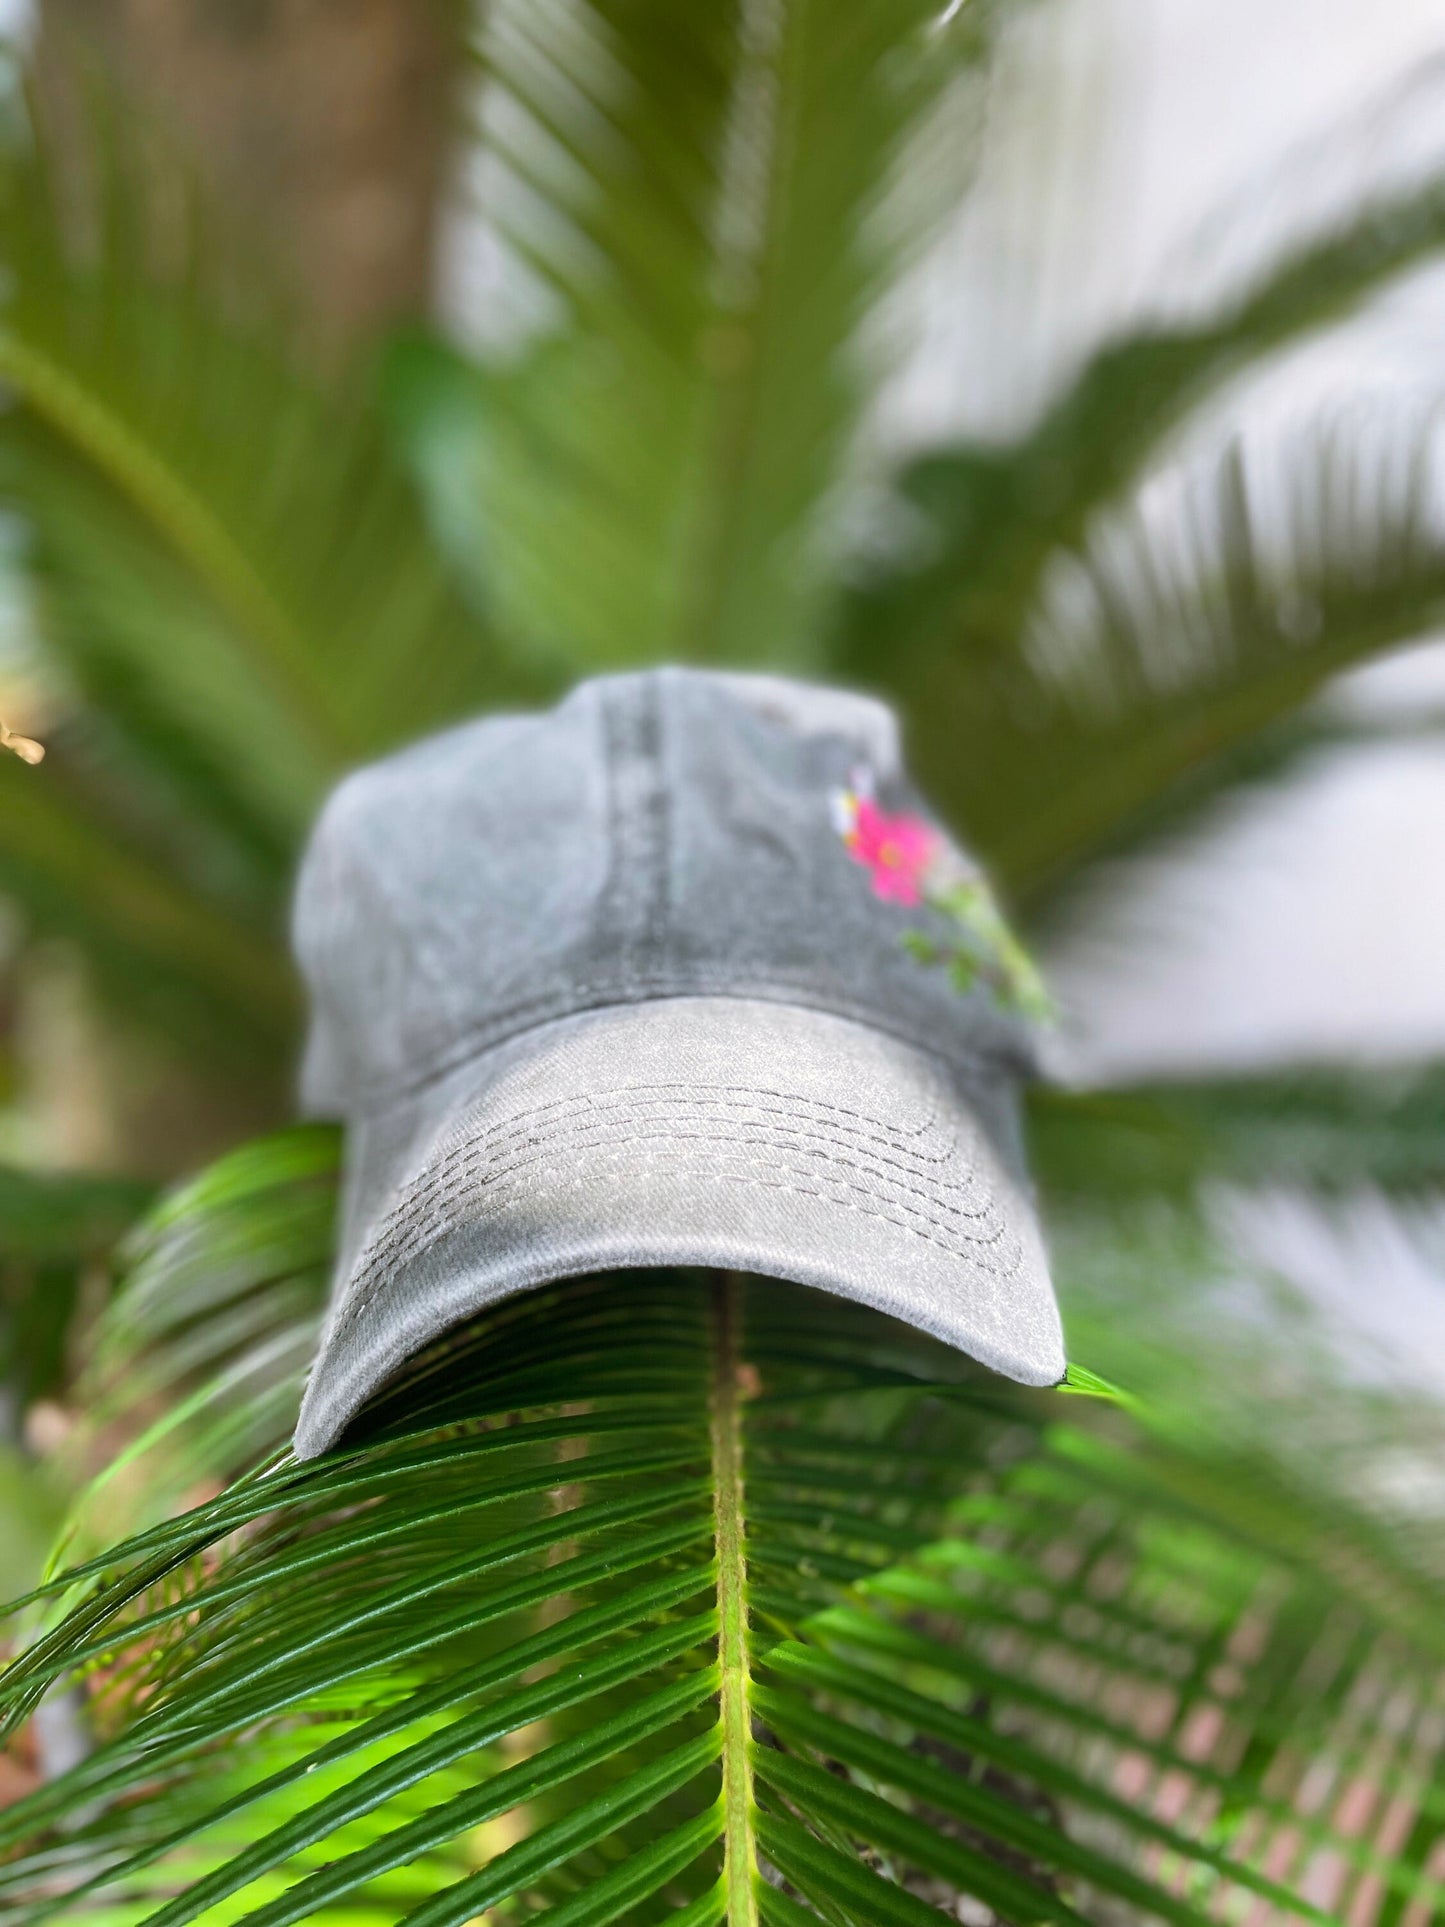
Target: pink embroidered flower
<point>896,850</point>
<point>912,863</point>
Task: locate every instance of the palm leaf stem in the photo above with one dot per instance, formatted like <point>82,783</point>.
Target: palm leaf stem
<point>740,1844</point>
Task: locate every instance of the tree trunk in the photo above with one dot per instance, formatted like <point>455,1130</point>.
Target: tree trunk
<point>329,121</point>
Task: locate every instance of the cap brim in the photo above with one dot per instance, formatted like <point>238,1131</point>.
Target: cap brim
<point>717,1131</point>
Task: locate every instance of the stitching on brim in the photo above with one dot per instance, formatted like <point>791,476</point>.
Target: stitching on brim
<point>973,1251</point>
<point>439,1181</point>
<point>744,1097</point>
<point>388,1254</point>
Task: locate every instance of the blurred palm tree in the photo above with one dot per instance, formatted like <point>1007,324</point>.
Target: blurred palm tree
<point>816,1623</point>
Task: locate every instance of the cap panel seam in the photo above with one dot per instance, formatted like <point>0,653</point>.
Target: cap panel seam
<point>654,819</point>
<point>633,904</point>
<point>611,916</point>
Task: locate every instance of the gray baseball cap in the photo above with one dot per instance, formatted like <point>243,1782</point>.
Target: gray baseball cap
<point>677,973</point>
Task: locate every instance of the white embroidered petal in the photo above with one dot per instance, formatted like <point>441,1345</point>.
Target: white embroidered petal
<point>843,811</point>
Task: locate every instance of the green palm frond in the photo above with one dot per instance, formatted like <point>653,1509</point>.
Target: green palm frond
<point>690,1597</point>
<point>997,513</point>
<point>1184,629</point>
<point>199,1358</point>
<point>1245,1365</point>
<point>705,232</point>
<point>73,853</point>
<point>53,1229</point>
<point>152,390</point>
<point>962,614</point>
<point>226,561</point>
<point>1307,740</point>
<point>1327,1131</point>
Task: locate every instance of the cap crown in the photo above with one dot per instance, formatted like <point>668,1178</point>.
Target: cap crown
<point>660,834</point>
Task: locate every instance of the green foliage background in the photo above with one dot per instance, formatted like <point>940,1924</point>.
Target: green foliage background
<point>683,1597</point>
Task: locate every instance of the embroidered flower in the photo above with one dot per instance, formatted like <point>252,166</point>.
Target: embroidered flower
<point>895,850</point>
<point>912,863</point>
